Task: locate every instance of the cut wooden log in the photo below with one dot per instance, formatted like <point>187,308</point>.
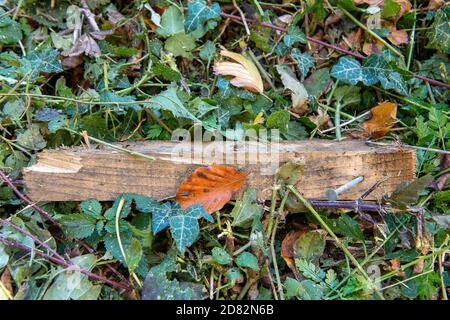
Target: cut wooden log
<point>76,174</point>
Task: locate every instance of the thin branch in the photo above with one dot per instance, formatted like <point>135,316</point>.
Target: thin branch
<point>65,264</point>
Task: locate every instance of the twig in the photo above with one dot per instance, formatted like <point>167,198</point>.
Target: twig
<point>242,17</point>
<point>409,146</point>
<point>34,238</point>
<point>45,215</point>
<point>336,48</point>
<point>65,264</point>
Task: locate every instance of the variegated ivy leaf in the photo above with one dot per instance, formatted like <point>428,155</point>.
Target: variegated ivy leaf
<point>439,35</point>
<point>348,70</point>
<point>198,12</point>
<point>305,61</point>
<point>293,36</point>
<point>376,69</point>
<point>46,60</point>
<point>183,223</point>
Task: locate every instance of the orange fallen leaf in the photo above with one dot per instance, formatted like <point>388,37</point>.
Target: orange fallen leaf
<point>396,37</point>
<point>382,120</point>
<point>211,186</point>
<point>245,73</point>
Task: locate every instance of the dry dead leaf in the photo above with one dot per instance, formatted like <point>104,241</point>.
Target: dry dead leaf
<point>396,37</point>
<point>299,95</point>
<point>440,182</point>
<point>435,4</point>
<point>369,48</point>
<point>245,73</point>
<point>211,186</point>
<point>382,120</point>
<point>287,247</point>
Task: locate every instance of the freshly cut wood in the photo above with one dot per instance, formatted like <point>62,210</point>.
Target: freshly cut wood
<point>75,174</point>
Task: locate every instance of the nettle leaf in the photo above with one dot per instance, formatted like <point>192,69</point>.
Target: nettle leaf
<point>78,225</point>
<point>198,12</point>
<point>108,96</point>
<point>304,61</point>
<point>168,100</point>
<point>221,256</point>
<point>157,285</point>
<point>171,22</point>
<point>247,260</point>
<point>439,35</point>
<point>349,228</point>
<point>293,36</point>
<point>92,208</point>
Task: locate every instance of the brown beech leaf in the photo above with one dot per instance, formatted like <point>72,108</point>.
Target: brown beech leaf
<point>382,120</point>
<point>211,186</point>
<point>245,73</point>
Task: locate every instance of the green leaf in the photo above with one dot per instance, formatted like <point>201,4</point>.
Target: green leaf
<point>14,109</point>
<point>171,22</point>
<point>161,215</point>
<point>134,254</point>
<point>390,9</point>
<point>245,210</point>
<point>31,138</point>
<point>247,260</point>
<point>290,172</point>
<point>348,70</point>
<point>310,246</point>
<point>168,100</point>
<point>208,51</point>
<point>304,61</point>
<point>4,257</point>
<point>92,208</point>
<point>349,227</point>
<point>185,230</point>
<point>278,120</point>
<point>181,45</point>
<point>310,291</point>
<point>157,286</point>
<point>233,274</point>
<point>408,193</point>
<point>293,36</point>
<point>439,34</point>
<point>46,60</point>
<point>198,12</point>
<point>77,225</point>
<point>309,270</point>
<point>10,32</point>
<point>317,82</point>
<point>221,256</point>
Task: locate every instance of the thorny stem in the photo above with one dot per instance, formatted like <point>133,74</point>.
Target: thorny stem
<point>65,264</point>
<point>336,48</point>
<point>46,216</point>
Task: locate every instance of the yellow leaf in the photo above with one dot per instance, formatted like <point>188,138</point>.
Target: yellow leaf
<point>245,73</point>
<point>259,118</point>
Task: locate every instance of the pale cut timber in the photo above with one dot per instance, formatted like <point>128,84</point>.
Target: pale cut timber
<point>76,174</point>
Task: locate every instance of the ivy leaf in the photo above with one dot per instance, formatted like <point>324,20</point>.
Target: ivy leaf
<point>304,61</point>
<point>208,51</point>
<point>293,36</point>
<point>184,227</point>
<point>46,60</point>
<point>171,22</point>
<point>78,225</point>
<point>439,36</point>
<point>247,260</point>
<point>348,70</point>
<point>31,138</point>
<point>161,215</point>
<point>168,100</point>
<point>198,12</point>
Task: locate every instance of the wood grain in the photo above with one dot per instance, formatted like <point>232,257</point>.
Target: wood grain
<point>77,174</point>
